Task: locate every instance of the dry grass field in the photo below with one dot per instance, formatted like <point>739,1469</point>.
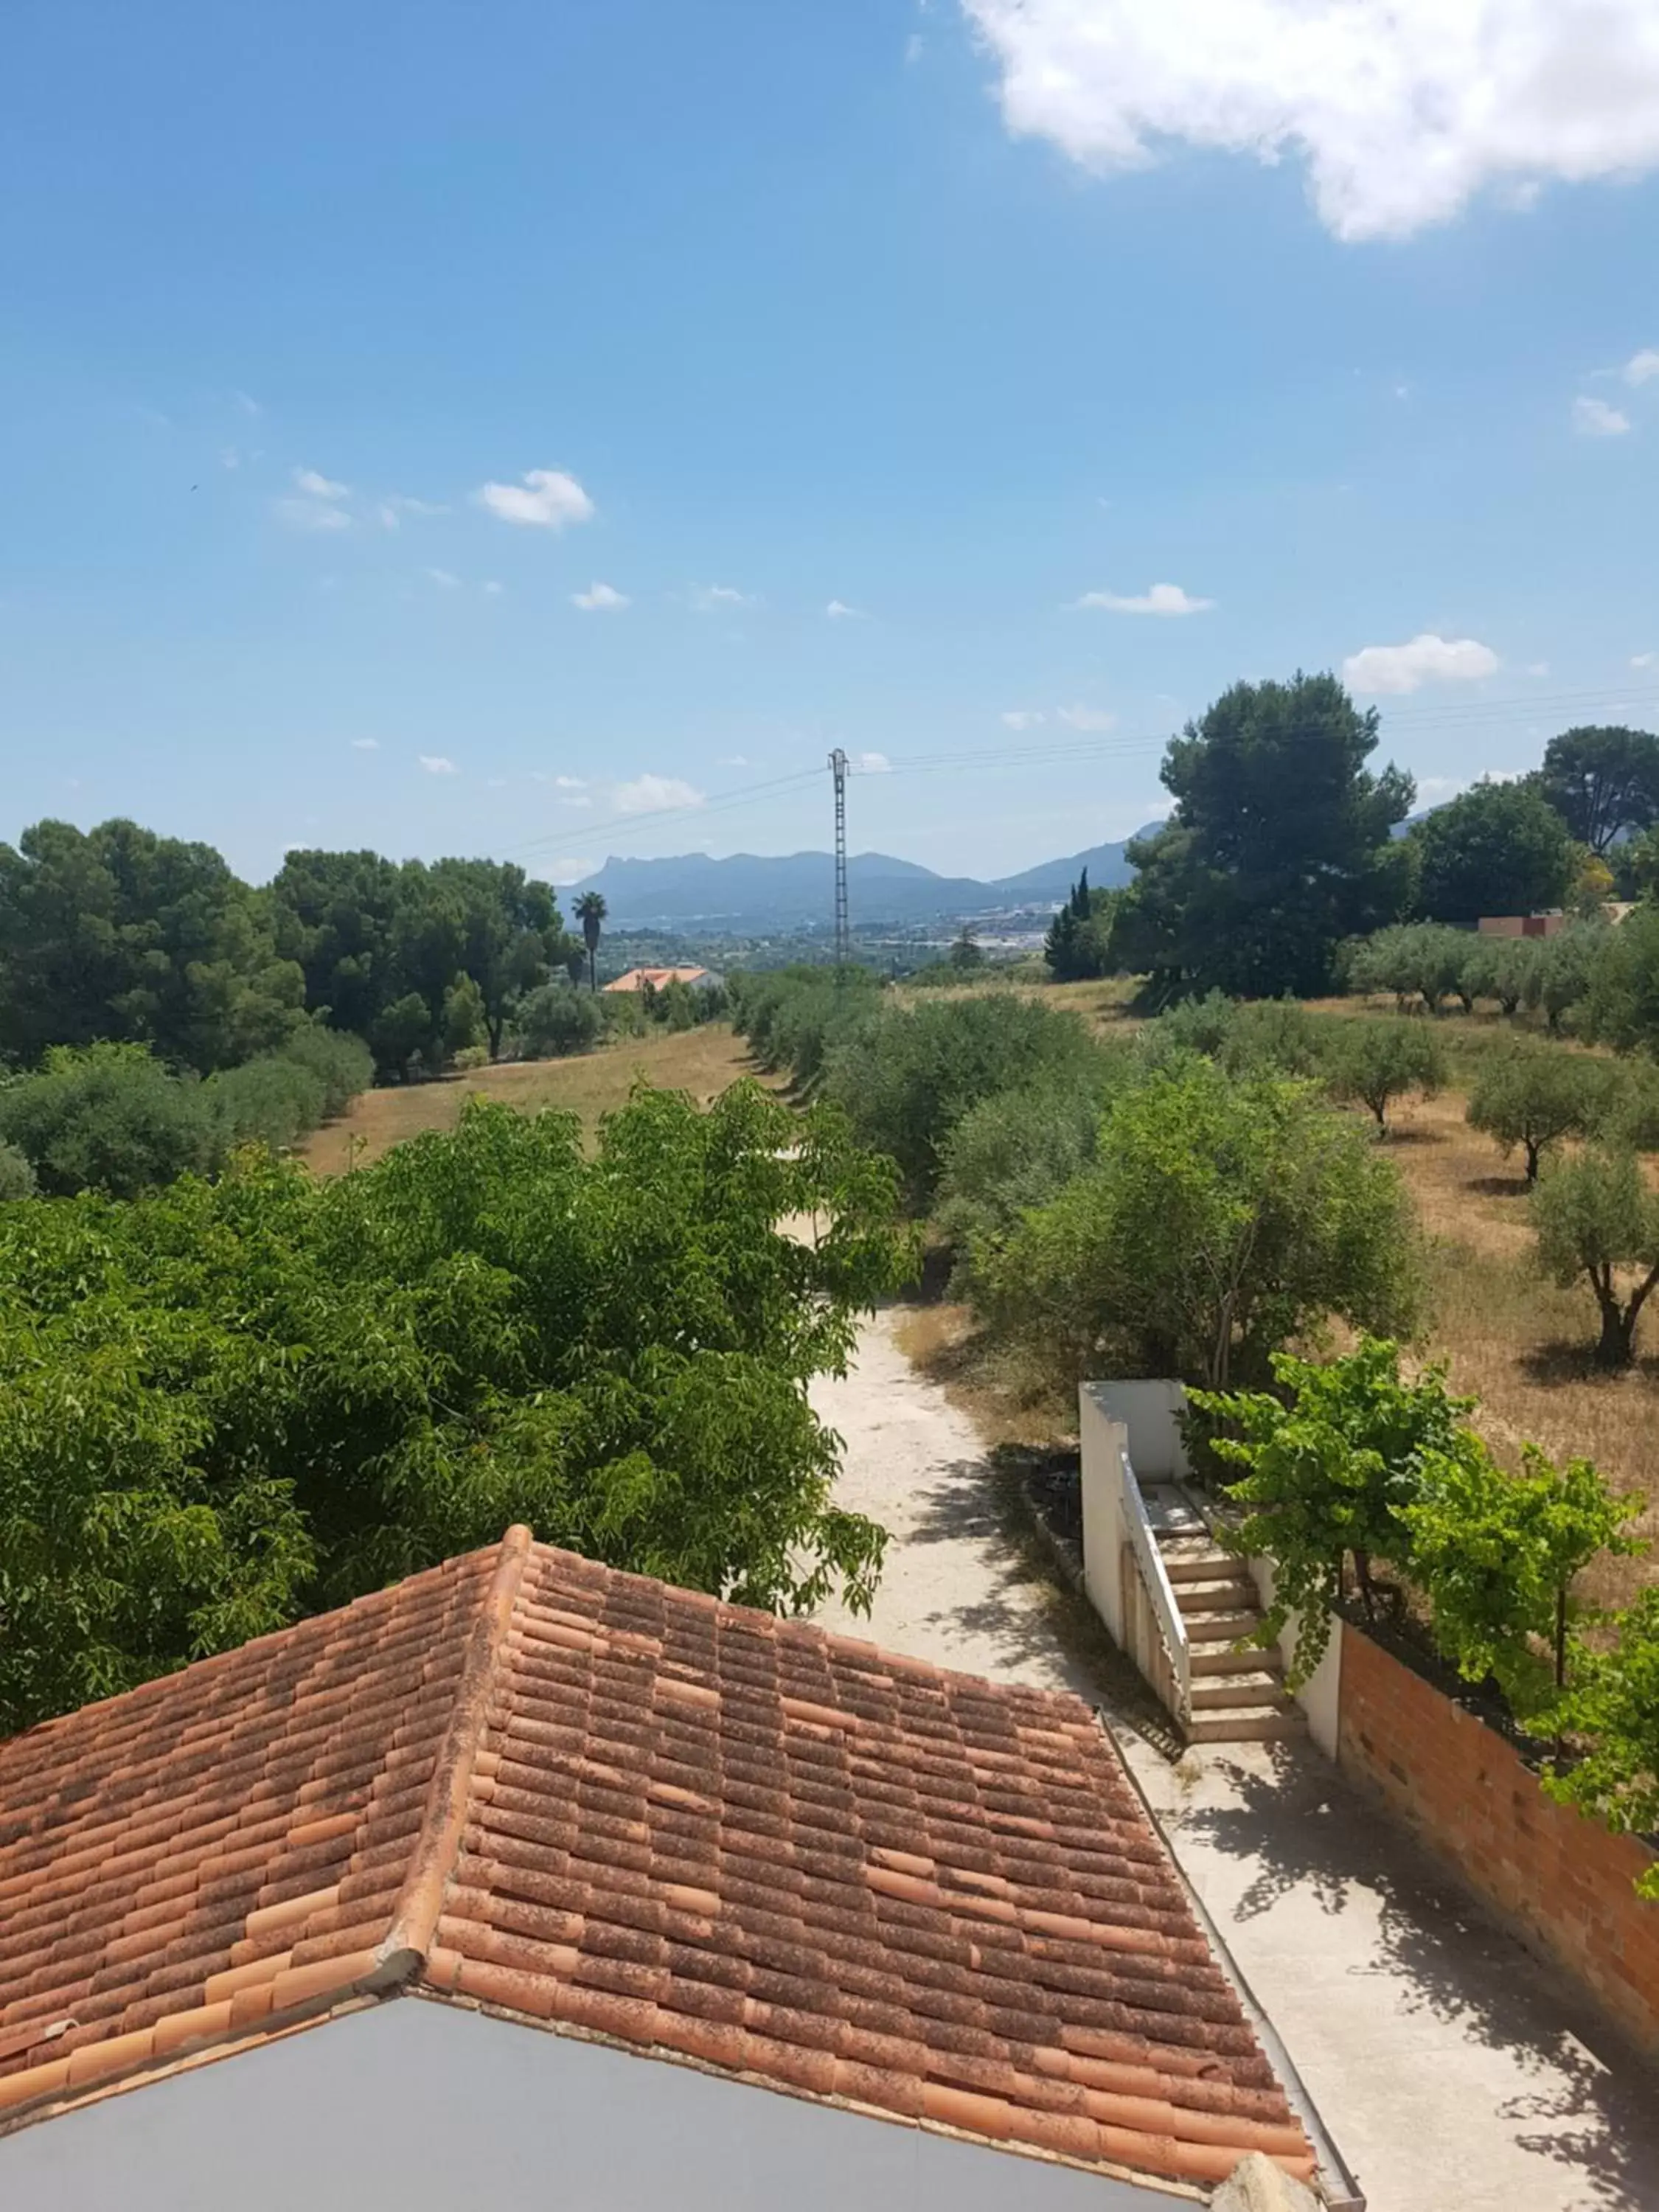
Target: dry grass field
<point>703,1062</point>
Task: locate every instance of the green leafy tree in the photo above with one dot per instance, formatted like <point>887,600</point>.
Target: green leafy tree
<point>1532,1096</point>
<point>230,1403</point>
<point>907,1076</point>
<point>1498,848</point>
<point>1077,946</point>
<point>589,911</point>
<point>1336,1456</point>
<point>1614,1706</point>
<point>1497,1555</point>
<point>1562,973</point>
<point>1603,781</point>
<point>1598,1223</point>
<point>1278,849</point>
<point>335,916</point>
<point>110,1118</point>
<point>116,933</point>
<point>343,1065</point>
<point>966,955</point>
<point>1376,1061</point>
<point>1222,1219</point>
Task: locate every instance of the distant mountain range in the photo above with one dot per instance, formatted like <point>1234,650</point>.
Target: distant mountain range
<point>748,891</point>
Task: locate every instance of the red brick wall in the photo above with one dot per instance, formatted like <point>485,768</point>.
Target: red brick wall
<point>1560,1880</point>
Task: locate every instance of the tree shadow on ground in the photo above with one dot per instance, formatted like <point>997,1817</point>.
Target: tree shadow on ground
<point>1305,1830</point>
<point>1562,1362</point>
<point>1500,1186</point>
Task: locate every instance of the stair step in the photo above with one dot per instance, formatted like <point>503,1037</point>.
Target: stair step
<point>1255,1689</point>
<point>1246,1724</point>
<point>1221,1627</point>
<point>1222,1659</point>
<point>1196,1559</point>
<point>1228,1594</point>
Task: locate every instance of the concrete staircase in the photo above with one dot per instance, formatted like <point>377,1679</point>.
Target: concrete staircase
<point>1237,1697</point>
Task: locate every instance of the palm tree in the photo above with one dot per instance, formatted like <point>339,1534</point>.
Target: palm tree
<point>590,912</point>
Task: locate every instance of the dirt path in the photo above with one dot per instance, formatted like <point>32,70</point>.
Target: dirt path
<point>1449,2069</point>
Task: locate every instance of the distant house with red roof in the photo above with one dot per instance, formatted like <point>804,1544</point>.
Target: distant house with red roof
<point>530,1883</point>
<point>658,978</point>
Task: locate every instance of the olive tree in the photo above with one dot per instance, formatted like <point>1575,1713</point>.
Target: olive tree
<point>1598,1223</point>
<point>1532,1096</point>
<point>1222,1218</point>
<point>1375,1062</point>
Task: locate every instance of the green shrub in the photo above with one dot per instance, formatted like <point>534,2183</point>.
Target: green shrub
<point>909,1075</point>
<point>16,1175</point>
<point>1614,1702</point>
<point>108,1117</point>
<point>1496,1554</point>
<point>272,1101</point>
<point>343,1063</point>
<point>1621,1002</point>
<point>1499,968</point>
<point>1016,1151</point>
<point>470,1059</point>
<point>1335,1454</point>
<point>556,1020</point>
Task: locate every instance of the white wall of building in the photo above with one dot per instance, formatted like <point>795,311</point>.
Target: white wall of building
<point>1151,1412</point>
<point>1319,1694</point>
<point>424,2107</point>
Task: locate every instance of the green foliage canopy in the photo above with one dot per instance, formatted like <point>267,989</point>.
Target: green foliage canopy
<point>1598,1223</point>
<point>1498,848</point>
<point>229,1403</point>
<point>1532,1096</point>
<point>1603,781</point>
<point>1222,1218</point>
<point>1377,1062</point>
<point>1614,1702</point>
<point>1278,847</point>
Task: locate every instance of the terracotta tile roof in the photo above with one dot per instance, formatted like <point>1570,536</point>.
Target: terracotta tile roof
<point>529,1782</point>
<point>636,979</point>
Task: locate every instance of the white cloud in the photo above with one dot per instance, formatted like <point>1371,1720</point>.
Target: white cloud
<point>365,744</point>
<point>1537,668</point>
<point>600,599</point>
<point>838,611</point>
<point>733,760</point>
<point>311,514</point>
<point>1642,367</point>
<point>571,782</point>
<point>229,457</point>
<point>495,782</point>
<point>546,498</point>
<point>1024,718</point>
<point>1434,788</point>
<point>1593,418</point>
<point>445,578</point>
<point>436,764</point>
<point>716,598</point>
<point>1085,718</point>
<point>1645,660</point>
<point>491,589</point>
<point>913,46</point>
<point>647,794</point>
<point>249,406</point>
<point>1378,669</point>
<point>1402,113</point>
<point>870,763</point>
<point>320,487</point>
<point>570,868</point>
<point>1161,600</point>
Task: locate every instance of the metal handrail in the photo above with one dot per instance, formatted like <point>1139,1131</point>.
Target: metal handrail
<point>1155,1576</point>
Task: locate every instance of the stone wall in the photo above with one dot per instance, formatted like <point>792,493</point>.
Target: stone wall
<point>1561,1881</point>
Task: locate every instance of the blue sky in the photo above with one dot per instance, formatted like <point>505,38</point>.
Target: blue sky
<point>975,322</point>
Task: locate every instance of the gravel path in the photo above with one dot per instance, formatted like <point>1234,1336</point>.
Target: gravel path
<point>1451,2071</point>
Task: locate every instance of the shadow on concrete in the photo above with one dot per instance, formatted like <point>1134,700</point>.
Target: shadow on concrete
<point>1306,1830</point>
